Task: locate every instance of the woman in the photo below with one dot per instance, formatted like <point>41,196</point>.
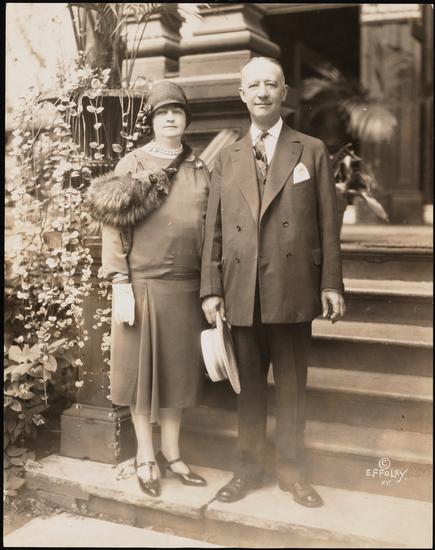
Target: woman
<point>153,210</point>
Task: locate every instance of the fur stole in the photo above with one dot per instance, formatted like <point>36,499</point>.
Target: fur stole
<point>126,199</point>
<point>122,200</point>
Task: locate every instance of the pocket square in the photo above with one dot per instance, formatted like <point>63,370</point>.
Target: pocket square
<point>300,173</point>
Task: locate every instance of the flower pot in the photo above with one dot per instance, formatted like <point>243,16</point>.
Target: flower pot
<point>350,215</point>
<point>341,207</point>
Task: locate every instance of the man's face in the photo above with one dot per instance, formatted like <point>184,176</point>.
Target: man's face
<point>263,90</point>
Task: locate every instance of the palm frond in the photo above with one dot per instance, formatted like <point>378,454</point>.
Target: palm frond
<point>328,71</point>
<point>375,206</point>
<point>311,87</point>
<point>141,10</point>
<point>369,121</point>
<point>339,156</point>
<point>193,13</point>
<point>86,5</point>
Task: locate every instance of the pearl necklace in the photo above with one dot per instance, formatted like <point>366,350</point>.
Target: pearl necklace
<point>154,147</point>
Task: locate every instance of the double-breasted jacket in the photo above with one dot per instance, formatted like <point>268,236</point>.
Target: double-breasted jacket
<point>288,244</point>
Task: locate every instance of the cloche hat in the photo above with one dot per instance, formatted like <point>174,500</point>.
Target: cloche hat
<point>165,92</point>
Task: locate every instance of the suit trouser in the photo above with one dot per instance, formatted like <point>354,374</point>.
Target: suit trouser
<point>287,347</point>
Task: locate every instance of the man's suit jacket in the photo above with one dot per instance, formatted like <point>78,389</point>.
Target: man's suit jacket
<point>291,243</point>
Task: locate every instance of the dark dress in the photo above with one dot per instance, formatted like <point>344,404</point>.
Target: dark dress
<point>157,362</point>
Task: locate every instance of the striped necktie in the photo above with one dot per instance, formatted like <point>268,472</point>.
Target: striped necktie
<point>260,157</point>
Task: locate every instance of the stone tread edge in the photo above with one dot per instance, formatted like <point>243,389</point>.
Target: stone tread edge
<point>205,511</point>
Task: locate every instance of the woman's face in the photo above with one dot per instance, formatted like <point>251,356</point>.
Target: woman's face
<point>169,122</point>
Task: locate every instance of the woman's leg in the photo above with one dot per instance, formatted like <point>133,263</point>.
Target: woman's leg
<point>145,451</point>
<point>170,420</point>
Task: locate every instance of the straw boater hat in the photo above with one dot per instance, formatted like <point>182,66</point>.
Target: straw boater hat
<point>218,353</point>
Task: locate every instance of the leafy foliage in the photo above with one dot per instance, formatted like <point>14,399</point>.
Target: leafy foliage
<point>100,30</point>
<point>369,114</point>
<point>48,267</point>
<point>353,180</point>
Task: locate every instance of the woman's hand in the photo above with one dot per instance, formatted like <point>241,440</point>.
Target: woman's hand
<point>123,303</point>
<point>210,305</point>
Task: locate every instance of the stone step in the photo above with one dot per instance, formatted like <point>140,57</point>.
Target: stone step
<point>382,333</point>
<point>393,401</point>
<point>338,455</point>
<point>396,386</point>
<point>369,261</point>
<point>380,301</point>
<point>372,347</point>
<point>379,400</point>
<point>265,518</point>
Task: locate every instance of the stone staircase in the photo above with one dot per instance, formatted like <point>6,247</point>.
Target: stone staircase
<point>368,433</point>
<point>370,393</point>
<point>266,518</point>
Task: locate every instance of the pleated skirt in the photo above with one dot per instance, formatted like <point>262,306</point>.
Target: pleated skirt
<point>157,362</point>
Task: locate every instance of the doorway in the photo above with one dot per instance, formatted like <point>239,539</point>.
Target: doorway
<point>309,38</point>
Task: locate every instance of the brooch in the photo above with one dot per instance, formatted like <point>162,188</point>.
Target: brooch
<point>198,164</point>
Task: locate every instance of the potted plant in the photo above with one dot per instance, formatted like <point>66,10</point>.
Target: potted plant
<point>368,115</point>
<point>113,115</point>
<point>100,30</point>
<point>353,180</point>
<point>105,111</point>
<point>342,109</point>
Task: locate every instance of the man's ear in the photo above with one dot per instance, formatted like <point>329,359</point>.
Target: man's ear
<point>284,92</point>
<point>242,95</point>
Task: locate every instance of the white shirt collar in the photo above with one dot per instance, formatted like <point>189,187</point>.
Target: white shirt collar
<point>274,131</point>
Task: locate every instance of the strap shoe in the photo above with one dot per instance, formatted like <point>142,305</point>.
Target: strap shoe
<point>149,486</point>
<point>190,478</point>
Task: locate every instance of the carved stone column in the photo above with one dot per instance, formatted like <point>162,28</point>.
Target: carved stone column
<point>424,32</point>
<point>209,68</point>
<point>229,35</point>
<point>159,48</point>
<point>396,164</point>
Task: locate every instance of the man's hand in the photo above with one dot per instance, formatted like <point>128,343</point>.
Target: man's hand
<point>334,300</point>
<point>123,303</point>
<point>210,305</point>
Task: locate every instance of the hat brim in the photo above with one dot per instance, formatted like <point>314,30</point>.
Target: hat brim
<point>219,355</point>
<point>227,353</point>
<point>172,101</point>
<point>212,356</point>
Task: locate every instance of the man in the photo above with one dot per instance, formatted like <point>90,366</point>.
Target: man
<point>270,265</point>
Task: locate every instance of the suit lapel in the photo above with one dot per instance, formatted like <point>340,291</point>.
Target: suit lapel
<point>245,174</point>
<point>287,153</point>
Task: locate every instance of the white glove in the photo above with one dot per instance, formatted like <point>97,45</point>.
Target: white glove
<point>123,303</point>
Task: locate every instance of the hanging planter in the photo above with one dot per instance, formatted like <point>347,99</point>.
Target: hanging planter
<point>107,125</point>
<point>107,117</point>
<point>104,123</point>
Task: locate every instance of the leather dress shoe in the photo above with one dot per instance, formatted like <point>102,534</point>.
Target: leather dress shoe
<point>304,494</point>
<point>237,489</point>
